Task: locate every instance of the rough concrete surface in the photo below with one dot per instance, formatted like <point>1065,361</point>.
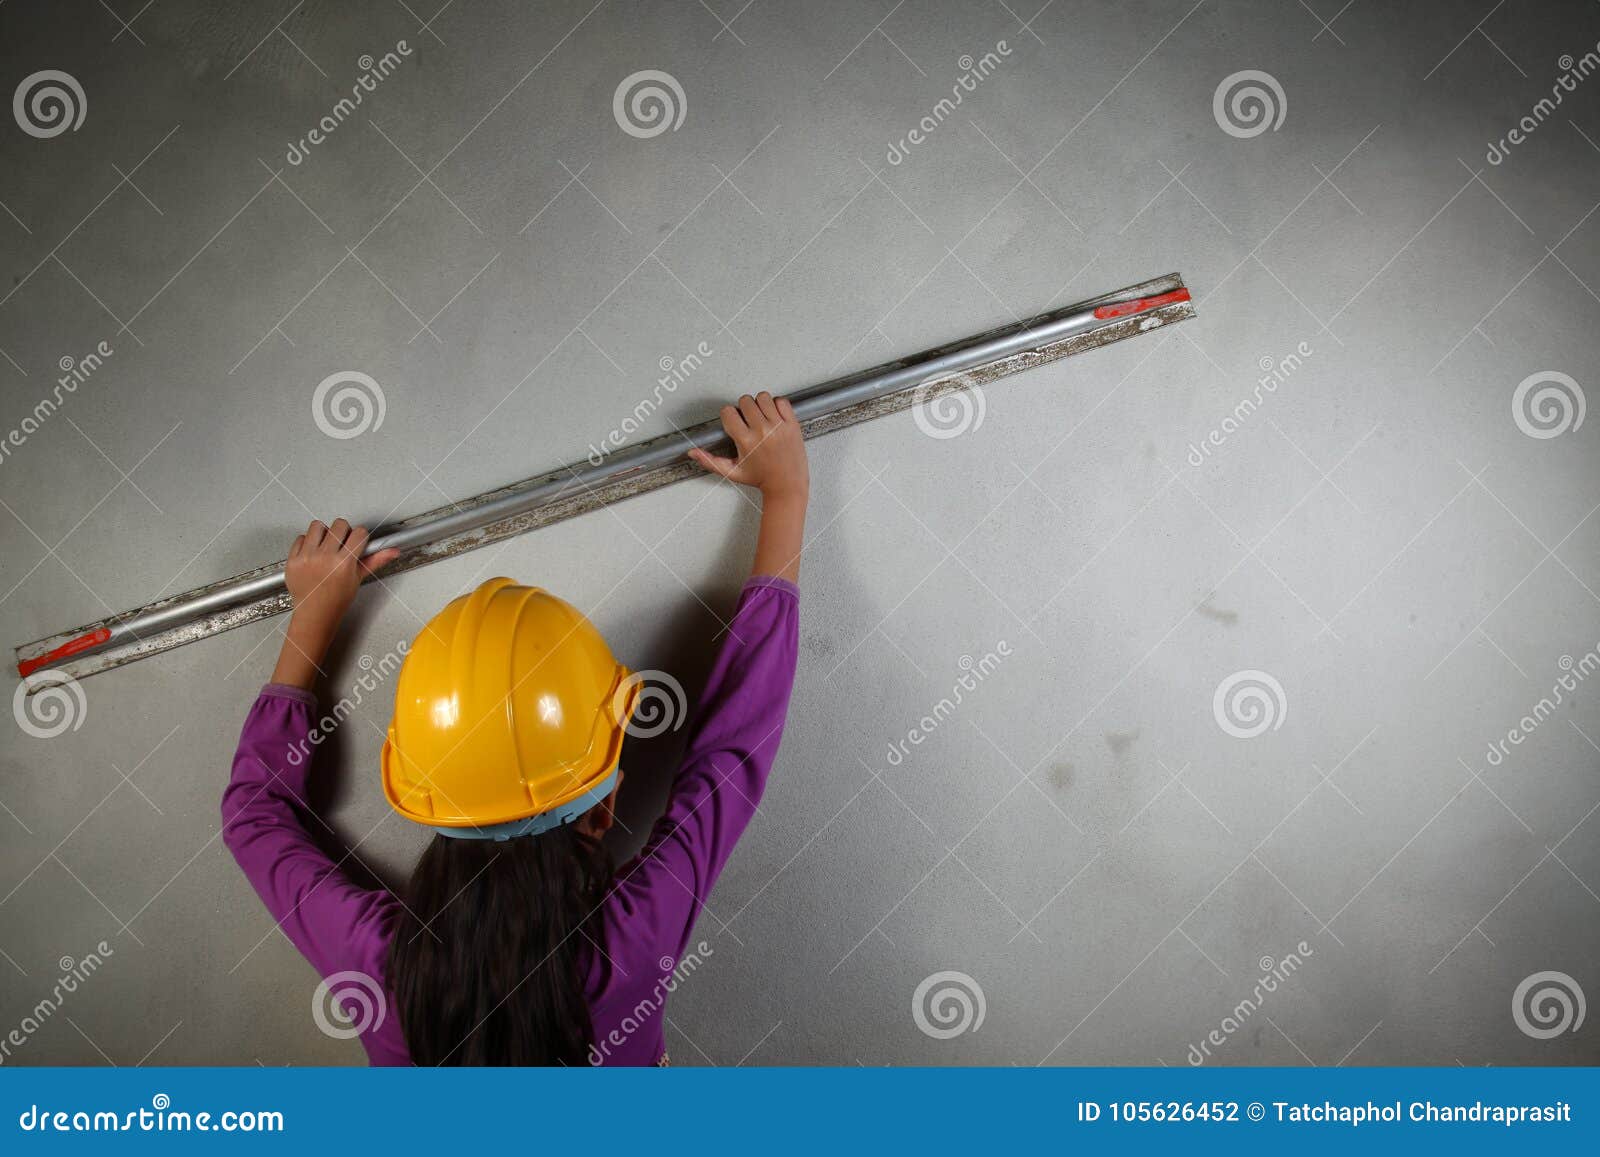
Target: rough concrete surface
<point>1261,645</point>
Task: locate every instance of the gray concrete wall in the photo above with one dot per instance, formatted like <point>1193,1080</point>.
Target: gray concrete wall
<point>1085,838</point>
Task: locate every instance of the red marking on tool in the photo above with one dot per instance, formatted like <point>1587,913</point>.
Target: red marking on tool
<point>65,651</point>
<point>1139,304</point>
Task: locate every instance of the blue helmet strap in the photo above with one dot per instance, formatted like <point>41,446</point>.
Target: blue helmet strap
<point>543,822</point>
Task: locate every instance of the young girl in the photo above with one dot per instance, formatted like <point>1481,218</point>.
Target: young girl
<point>515,942</point>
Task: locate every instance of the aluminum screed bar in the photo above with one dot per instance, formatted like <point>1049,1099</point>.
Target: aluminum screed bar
<point>590,484</point>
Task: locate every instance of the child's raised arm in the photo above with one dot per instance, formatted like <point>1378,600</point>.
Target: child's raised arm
<point>338,925</point>
<point>772,459</point>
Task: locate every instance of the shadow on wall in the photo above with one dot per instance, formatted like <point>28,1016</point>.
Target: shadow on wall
<point>682,640</point>
<point>338,775</point>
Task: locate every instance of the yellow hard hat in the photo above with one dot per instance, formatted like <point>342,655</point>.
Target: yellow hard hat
<point>508,717</point>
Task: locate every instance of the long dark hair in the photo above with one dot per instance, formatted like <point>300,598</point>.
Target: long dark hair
<point>488,966</point>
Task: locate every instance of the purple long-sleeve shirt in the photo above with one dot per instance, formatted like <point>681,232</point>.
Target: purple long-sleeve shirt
<point>649,915</point>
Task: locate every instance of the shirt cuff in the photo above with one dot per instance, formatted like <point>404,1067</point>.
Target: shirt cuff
<point>284,691</point>
<point>772,582</point>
